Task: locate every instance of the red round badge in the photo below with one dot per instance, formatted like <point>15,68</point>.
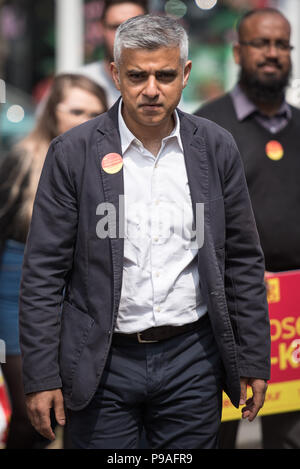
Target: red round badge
<point>112,163</point>
<point>274,150</point>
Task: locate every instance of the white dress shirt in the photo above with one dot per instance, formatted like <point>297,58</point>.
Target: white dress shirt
<point>160,275</point>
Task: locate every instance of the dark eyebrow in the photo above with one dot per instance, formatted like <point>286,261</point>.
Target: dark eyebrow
<point>136,72</point>
<point>166,73</point>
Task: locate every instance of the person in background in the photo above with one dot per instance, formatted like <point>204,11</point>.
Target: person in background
<point>266,129</point>
<point>114,13</point>
<point>72,100</point>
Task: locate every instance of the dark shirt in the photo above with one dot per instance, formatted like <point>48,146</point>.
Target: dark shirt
<point>244,108</point>
<point>272,167</point>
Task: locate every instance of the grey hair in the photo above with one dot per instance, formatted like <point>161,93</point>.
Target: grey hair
<point>150,32</point>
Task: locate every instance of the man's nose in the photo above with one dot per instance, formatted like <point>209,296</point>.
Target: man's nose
<point>151,88</point>
<point>271,50</point>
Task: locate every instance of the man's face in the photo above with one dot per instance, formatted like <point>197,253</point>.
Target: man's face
<point>269,64</point>
<point>151,83</point>
<point>115,16</point>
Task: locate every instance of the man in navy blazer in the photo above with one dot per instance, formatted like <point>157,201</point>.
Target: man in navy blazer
<point>126,332</point>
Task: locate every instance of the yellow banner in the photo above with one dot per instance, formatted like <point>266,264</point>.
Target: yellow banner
<point>283,394</point>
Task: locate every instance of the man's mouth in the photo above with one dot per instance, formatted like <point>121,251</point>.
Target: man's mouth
<point>150,105</point>
<point>270,67</point>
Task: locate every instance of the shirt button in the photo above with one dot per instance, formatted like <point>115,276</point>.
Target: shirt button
<point>158,309</point>
<point>157,274</point>
<point>156,239</point>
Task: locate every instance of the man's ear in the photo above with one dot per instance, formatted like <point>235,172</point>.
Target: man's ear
<point>115,74</point>
<point>186,72</point>
<point>237,53</point>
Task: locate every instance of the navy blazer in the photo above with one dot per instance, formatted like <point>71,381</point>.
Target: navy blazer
<point>71,283</point>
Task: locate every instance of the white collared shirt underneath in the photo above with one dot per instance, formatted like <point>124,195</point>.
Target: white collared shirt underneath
<point>160,276</point>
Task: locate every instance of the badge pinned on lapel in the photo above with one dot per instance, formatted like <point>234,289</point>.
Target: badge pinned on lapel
<point>112,163</point>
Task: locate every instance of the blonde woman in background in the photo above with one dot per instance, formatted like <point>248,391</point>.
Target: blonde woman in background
<point>72,100</point>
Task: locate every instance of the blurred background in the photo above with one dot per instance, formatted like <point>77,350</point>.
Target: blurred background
<point>41,38</point>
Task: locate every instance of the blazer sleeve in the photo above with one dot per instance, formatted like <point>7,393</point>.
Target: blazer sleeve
<point>47,263</point>
<point>244,274</point>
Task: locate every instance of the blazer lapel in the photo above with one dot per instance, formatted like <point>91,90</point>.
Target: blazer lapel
<point>195,156</point>
<point>113,187</point>
<point>195,160</point>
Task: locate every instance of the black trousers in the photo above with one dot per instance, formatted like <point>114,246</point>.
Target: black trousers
<point>171,389</point>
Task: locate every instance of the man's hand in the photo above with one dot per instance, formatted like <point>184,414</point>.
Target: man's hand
<point>255,403</point>
<point>38,408</point>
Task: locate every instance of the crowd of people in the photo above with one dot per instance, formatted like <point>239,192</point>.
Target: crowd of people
<point>148,75</point>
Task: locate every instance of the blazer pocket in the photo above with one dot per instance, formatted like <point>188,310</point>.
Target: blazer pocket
<point>217,221</point>
<point>75,327</point>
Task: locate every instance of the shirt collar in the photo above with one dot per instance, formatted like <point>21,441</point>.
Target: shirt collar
<point>244,107</point>
<point>127,137</point>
